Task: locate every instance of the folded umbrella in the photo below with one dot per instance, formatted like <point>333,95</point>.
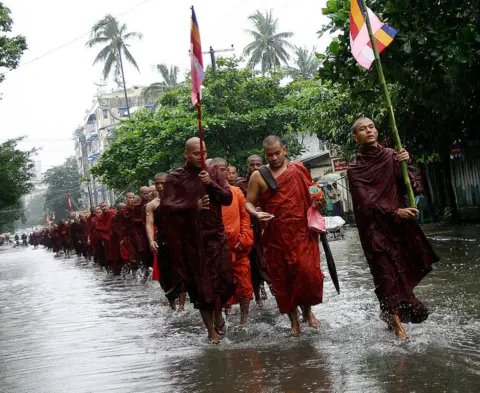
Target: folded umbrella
<point>330,262</point>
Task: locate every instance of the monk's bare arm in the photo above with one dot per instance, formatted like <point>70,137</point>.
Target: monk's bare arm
<point>149,222</point>
<point>253,192</point>
<point>252,196</point>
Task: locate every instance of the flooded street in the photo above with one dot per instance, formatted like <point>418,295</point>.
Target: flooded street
<point>66,327</point>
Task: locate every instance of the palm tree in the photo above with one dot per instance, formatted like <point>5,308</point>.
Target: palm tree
<point>108,31</point>
<point>306,64</point>
<point>268,47</point>
<point>169,81</point>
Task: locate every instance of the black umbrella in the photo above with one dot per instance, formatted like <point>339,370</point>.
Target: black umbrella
<point>330,262</point>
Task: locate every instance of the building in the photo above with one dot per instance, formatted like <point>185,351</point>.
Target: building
<point>92,138</point>
<point>325,166</point>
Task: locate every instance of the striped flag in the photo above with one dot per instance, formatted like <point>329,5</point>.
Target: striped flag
<point>198,75</point>
<point>359,39</point>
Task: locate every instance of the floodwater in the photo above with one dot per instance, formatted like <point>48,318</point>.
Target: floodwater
<point>66,327</point>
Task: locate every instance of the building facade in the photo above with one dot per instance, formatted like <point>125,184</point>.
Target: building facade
<point>93,136</point>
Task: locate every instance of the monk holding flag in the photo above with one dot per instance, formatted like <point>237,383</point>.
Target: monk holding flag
<point>192,202</point>
<point>291,249</point>
<point>397,251</point>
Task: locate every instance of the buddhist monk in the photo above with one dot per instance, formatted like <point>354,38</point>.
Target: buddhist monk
<point>291,249</point>
<point>141,241</point>
<point>92,239</point>
<point>159,244</point>
<point>82,233</point>
<point>110,243</point>
<point>193,200</point>
<point>240,241</point>
<point>145,194</point>
<point>397,251</point>
<point>257,259</point>
<point>125,232</point>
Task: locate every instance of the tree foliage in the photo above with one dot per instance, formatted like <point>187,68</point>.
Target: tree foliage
<point>305,66</point>
<point>268,48</point>
<point>114,36</point>
<point>239,111</point>
<point>60,180</point>
<point>15,181</point>
<point>433,63</point>
<point>11,48</point>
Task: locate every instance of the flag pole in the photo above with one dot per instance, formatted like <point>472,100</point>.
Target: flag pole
<point>388,102</point>
<point>200,132</point>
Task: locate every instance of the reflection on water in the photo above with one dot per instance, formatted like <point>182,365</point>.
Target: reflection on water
<point>65,327</point>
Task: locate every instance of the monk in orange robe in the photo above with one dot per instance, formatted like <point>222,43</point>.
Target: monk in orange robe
<point>240,241</point>
<point>291,249</point>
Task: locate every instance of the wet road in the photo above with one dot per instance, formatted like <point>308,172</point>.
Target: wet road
<point>65,327</point>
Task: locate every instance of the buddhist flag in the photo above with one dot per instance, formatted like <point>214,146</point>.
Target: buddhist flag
<point>198,75</point>
<point>359,39</point>
<point>69,201</point>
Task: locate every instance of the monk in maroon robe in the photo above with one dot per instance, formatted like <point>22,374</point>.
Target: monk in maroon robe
<point>92,234</point>
<point>110,242</point>
<point>82,235</point>
<point>397,251</point>
<point>291,249</point>
<point>201,260</point>
<point>258,264</point>
<point>139,218</point>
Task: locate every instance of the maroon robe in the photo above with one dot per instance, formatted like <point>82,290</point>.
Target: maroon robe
<point>397,251</point>
<point>258,264</point>
<point>291,248</point>
<point>201,259</point>
<point>105,224</point>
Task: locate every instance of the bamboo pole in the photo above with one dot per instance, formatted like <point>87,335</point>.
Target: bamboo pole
<point>388,103</point>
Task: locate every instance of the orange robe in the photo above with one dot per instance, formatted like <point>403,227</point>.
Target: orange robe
<point>237,226</point>
<point>291,249</point>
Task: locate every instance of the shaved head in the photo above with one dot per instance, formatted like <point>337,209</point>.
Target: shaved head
<point>272,140</point>
<point>193,153</point>
<point>161,175</point>
<point>358,122</point>
<point>209,161</point>
<point>145,193</point>
<point>192,143</point>
<point>219,161</point>
<point>253,157</point>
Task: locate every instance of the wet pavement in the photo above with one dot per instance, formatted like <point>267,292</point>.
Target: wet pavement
<point>66,327</point>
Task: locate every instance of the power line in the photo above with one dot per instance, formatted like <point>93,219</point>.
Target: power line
<point>71,41</point>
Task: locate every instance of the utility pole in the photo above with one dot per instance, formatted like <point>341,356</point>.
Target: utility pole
<point>212,52</point>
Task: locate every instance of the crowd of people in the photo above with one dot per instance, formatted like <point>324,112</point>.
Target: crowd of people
<point>220,238</point>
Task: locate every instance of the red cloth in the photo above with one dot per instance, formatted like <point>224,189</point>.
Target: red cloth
<point>237,226</point>
<point>291,249</point>
<point>201,259</point>
<point>105,225</point>
<point>92,234</point>
<point>397,251</point>
<point>258,264</point>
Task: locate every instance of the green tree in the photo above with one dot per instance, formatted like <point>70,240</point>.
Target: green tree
<point>434,63</point>
<point>268,48</point>
<point>11,48</point>
<point>239,111</point>
<point>169,81</point>
<point>15,181</point>
<point>60,180</point>
<point>114,36</point>
<point>306,64</point>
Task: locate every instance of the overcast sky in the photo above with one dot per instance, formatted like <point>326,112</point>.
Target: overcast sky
<point>45,99</point>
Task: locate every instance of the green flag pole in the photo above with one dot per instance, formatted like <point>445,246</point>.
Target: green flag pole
<point>388,102</point>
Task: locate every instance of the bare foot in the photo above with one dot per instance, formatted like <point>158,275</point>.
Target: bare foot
<point>173,305</point>
<point>295,324</point>
<point>295,329</point>
<point>263,292</point>
<point>181,308</point>
<point>387,318</point>
<point>243,320</point>
<point>213,338</point>
<point>259,303</point>
<point>400,331</point>
<point>312,320</point>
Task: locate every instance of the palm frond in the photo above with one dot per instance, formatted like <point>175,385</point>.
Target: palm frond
<point>109,62</point>
<point>130,58</point>
<point>103,54</point>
